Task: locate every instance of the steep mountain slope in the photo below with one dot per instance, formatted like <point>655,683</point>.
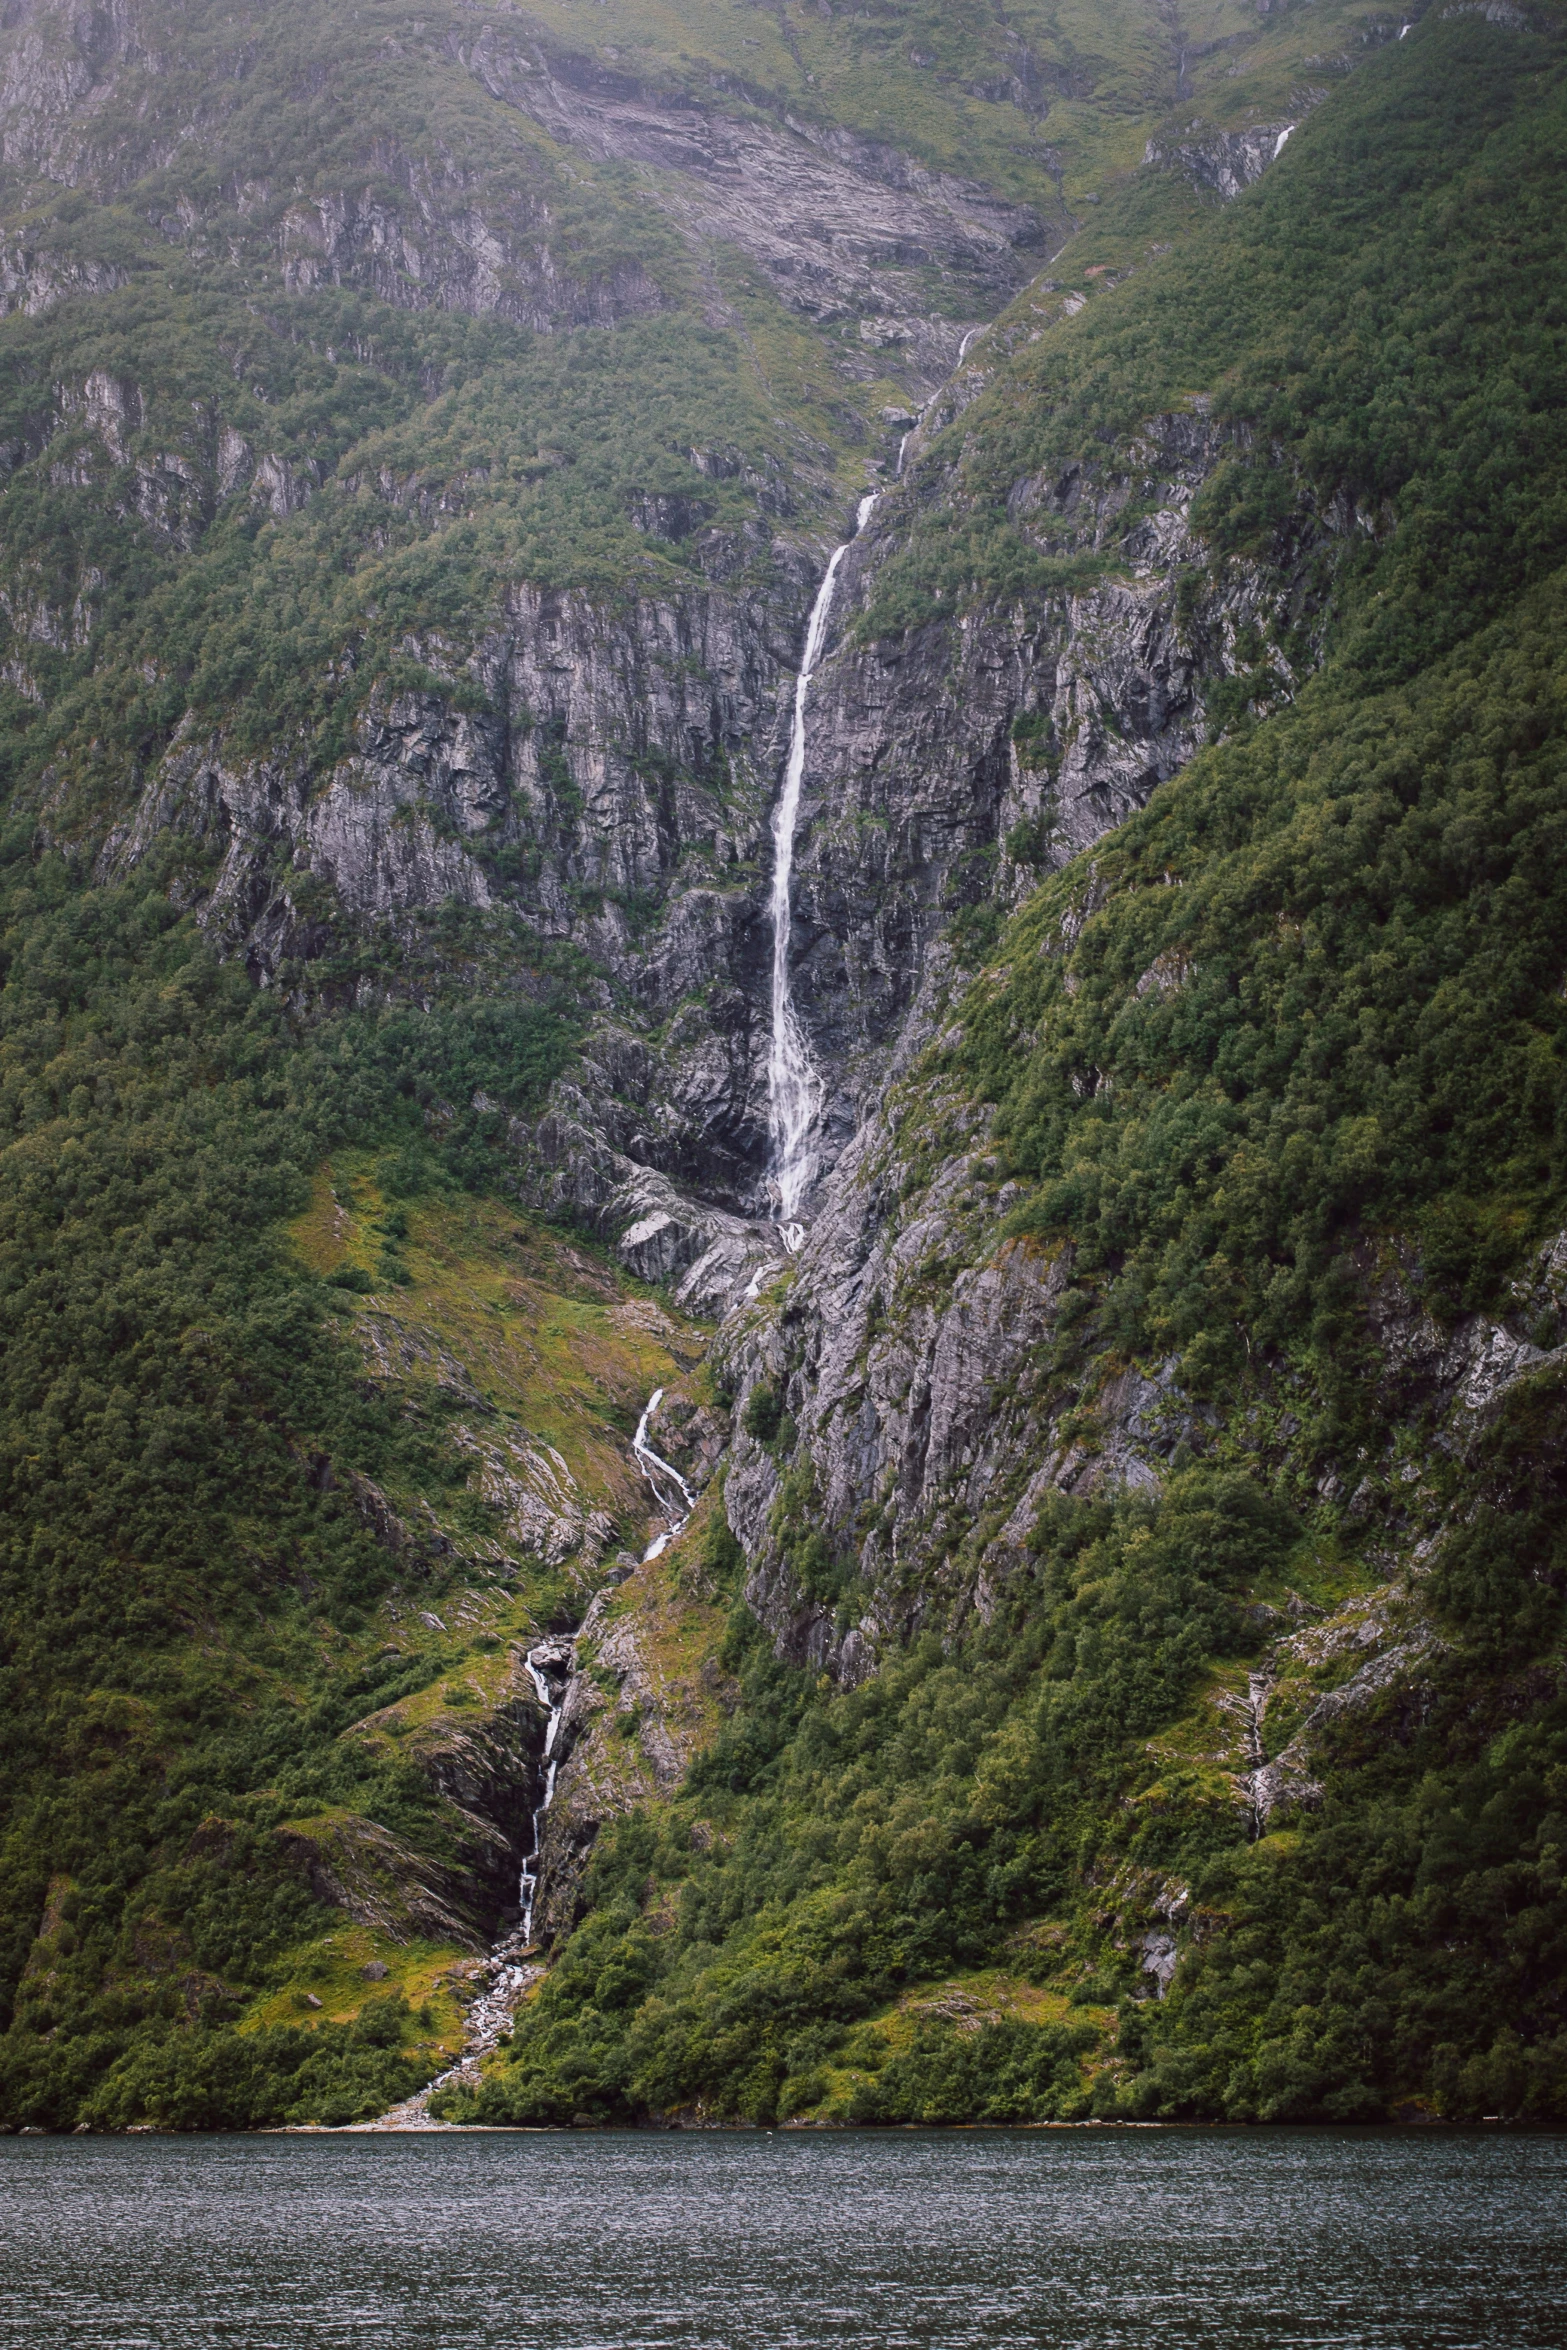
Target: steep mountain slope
<point>1157,1440</point>
<point>1121,1544</point>
<point>343,538</point>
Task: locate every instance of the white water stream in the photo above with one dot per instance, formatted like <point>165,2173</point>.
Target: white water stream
<point>794,1102</point>
<point>503,1978</point>
<point>561,1656</point>
<point>661,1475</point>
<point>793,1087</point>
<point>794,1091</point>
<point>964,348</point>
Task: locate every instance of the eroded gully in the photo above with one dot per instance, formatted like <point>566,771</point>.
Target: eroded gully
<point>502,1979</point>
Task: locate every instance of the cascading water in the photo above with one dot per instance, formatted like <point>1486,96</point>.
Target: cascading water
<point>964,348</point>
<point>502,1980</point>
<point>559,1656</point>
<point>793,1100</point>
<point>660,1475</point>
<point>793,1088</point>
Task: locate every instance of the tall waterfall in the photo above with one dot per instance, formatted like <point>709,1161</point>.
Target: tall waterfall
<point>793,1088</point>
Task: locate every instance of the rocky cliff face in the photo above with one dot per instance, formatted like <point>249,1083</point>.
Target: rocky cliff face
<point>600,769</point>
<point>850,231</point>
<point>594,773</point>
<point>934,1389</point>
<point>130,98</point>
<point>480,215</point>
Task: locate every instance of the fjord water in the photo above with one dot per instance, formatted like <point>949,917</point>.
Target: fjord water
<point>546,2241</point>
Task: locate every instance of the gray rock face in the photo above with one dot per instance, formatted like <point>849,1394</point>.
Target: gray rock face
<point>715,1260</point>
<point>613,789</point>
<point>912,1357</point>
<point>912,1352</point>
<point>100,100</point>
<point>960,761</point>
<point>845,227</point>
<point>375,1878</point>
<point>34,276</point>
<point>631,756</point>
<point>1225,162</point>
<point>622,763</point>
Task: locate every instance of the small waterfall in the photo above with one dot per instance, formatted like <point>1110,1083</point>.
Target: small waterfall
<point>793,1088</point>
<point>660,1475</point>
<point>505,1976</point>
<point>559,1656</point>
<point>964,348</point>
<point>509,1971</point>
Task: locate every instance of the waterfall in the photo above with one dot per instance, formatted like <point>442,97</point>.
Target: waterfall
<point>967,344</point>
<point>794,1093</point>
<point>528,1883</point>
<point>793,1088</point>
<point>510,1969</point>
<point>660,1474</point>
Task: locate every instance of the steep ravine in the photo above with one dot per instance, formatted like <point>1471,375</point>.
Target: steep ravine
<point>569,1703</point>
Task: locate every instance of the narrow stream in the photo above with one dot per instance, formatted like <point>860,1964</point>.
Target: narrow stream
<point>512,1967</point>
<point>550,1668</point>
<point>660,1475</point>
<point>967,344</point>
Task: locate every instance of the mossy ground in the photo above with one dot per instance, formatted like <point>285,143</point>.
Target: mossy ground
<point>545,1332</point>
<point>324,1982</point>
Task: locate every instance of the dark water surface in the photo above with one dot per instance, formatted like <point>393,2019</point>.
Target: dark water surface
<point>555,2242</point>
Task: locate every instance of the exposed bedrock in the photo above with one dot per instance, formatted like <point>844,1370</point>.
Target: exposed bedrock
<point>847,228</point>
<point>957,762</point>
<point>614,790</point>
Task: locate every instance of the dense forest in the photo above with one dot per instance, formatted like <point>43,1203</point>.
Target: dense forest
<point>398,654</point>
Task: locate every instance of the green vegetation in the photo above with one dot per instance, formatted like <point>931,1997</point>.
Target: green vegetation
<point>195,1611</point>
<point>749,1949</point>
<point>1321,997</point>
<point>1045,100</point>
<point>224,2080</point>
<point>1380,323</point>
<point>849,1845</point>
<point>286,629</point>
<point>1294,1031</point>
<point>1292,1036</point>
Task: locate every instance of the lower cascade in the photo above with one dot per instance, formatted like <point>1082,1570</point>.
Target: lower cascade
<point>793,1087</point>
<point>550,1668</point>
<point>512,1966</point>
<point>660,1475</point>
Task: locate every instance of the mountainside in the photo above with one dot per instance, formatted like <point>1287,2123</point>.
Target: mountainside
<point>1103,1653</point>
